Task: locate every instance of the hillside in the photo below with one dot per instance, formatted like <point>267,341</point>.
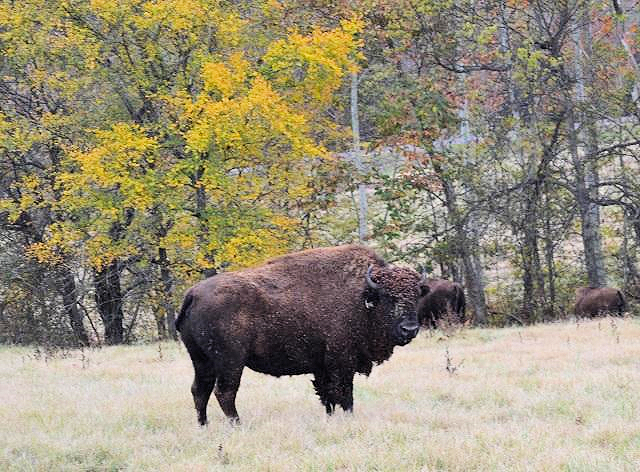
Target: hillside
<point>546,397</point>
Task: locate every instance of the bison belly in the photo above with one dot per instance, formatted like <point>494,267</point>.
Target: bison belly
<point>286,358</point>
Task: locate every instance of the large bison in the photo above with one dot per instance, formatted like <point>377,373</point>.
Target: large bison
<point>594,301</point>
<point>330,312</point>
<point>444,298</point>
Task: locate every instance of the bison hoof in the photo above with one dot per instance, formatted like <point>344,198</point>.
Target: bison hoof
<point>234,420</point>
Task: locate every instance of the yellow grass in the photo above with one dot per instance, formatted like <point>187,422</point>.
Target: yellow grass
<point>548,397</point>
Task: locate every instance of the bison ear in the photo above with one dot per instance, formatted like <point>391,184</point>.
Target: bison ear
<point>371,291</point>
<point>371,298</point>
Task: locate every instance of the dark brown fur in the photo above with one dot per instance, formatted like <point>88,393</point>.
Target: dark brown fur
<point>445,298</point>
<point>307,312</point>
<point>591,301</point>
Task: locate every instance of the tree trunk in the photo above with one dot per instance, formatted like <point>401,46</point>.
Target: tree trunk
<point>167,299</point>
<point>203,234</point>
<point>475,285</point>
<point>357,156</point>
<point>463,247</point>
<point>629,270</point>
<point>549,251</point>
<point>532,279</point>
<point>468,233</point>
<point>630,277</point>
<point>70,299</point>
<point>108,295</point>
<point>586,171</point>
<point>589,213</point>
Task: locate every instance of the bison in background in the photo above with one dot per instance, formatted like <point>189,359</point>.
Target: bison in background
<point>330,312</point>
<point>594,301</point>
<point>444,299</point>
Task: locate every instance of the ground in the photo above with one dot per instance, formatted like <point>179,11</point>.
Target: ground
<point>562,396</point>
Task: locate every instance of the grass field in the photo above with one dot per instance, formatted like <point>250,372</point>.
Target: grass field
<point>548,397</point>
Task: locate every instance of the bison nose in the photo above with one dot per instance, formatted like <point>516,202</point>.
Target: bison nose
<point>409,329</point>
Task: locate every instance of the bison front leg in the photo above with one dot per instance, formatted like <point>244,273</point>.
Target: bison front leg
<point>346,393</point>
<point>340,389</point>
<point>321,384</point>
<point>226,390</point>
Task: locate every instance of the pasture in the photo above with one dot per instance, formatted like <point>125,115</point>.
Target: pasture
<point>562,396</point>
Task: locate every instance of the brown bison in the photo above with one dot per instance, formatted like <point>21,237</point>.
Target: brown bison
<point>593,301</point>
<point>330,312</point>
<point>443,298</point>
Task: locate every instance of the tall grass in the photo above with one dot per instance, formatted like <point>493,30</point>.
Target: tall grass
<point>548,397</point>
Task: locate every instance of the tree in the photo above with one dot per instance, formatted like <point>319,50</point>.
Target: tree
<point>206,155</point>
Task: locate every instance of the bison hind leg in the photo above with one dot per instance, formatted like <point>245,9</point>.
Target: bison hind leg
<point>203,383</point>
<point>226,389</point>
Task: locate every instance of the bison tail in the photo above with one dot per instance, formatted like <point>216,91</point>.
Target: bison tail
<point>186,304</point>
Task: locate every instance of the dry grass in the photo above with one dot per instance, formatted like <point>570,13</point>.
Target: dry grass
<point>548,397</point>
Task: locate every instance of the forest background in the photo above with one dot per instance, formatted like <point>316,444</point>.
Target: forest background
<point>145,145</point>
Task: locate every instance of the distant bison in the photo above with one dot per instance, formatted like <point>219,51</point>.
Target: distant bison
<point>330,312</point>
<point>443,298</point>
<point>592,301</point>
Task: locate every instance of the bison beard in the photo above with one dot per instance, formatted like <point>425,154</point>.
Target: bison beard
<point>330,312</point>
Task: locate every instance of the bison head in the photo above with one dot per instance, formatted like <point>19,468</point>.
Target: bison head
<point>394,291</point>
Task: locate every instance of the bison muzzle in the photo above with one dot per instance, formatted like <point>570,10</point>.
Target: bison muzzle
<point>330,312</point>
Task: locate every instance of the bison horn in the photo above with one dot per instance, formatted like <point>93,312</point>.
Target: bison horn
<point>370,282</point>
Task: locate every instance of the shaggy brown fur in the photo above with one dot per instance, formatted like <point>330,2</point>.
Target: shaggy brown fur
<point>307,312</point>
<point>444,299</point>
<point>592,301</point>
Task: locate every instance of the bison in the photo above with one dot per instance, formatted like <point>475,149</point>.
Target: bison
<point>594,301</point>
<point>443,298</point>
<point>330,312</point>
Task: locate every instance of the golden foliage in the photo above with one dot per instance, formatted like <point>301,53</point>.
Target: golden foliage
<point>170,127</point>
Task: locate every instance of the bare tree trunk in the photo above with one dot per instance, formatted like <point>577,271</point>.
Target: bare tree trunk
<point>589,214</point>
<point>475,285</point>
<point>549,256</point>
<point>161,326</point>
<point>464,248</point>
<point>631,278</point>
<point>167,283</point>
<point>447,267</point>
<point>629,272</point>
<point>532,279</point>
<point>201,206</point>
<point>108,291</point>
<point>68,289</point>
<point>357,156</point>
<point>108,295</point>
<point>586,171</point>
